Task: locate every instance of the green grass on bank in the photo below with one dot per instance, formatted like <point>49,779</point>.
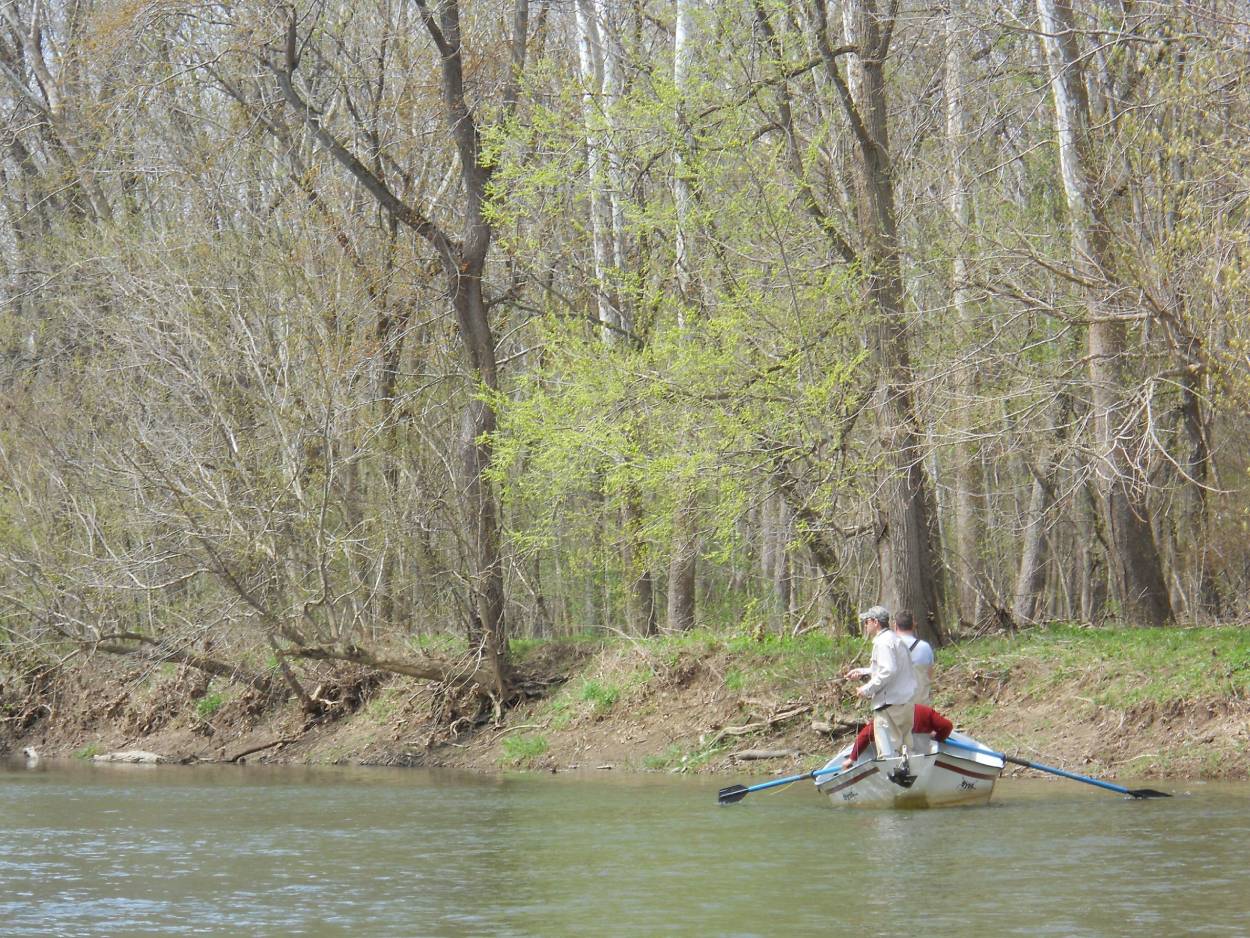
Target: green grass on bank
<point>1120,667</point>
<point>1117,667</point>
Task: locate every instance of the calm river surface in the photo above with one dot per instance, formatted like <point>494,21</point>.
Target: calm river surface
<point>169,850</point>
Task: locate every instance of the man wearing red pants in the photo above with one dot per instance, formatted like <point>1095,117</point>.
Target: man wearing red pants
<point>924,720</point>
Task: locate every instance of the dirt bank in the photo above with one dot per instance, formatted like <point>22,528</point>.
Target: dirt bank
<point>627,706</point>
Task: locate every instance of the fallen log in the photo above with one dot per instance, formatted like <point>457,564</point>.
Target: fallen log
<point>151,650</point>
<point>747,755</point>
<point>766,723</point>
<point>263,746</point>
<point>131,756</point>
<point>836,726</point>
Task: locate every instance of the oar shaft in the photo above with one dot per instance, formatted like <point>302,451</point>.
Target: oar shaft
<point>1110,786</point>
<point>737,793</point>
<point>777,782</point>
<point>794,778</point>
<point>1039,767</point>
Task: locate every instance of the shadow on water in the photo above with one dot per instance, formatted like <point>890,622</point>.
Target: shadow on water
<point>87,850</point>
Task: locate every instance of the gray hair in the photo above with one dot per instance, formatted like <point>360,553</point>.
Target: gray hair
<point>880,613</point>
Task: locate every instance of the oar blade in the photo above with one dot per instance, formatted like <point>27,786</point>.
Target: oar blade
<point>1148,793</point>
<point>731,794</point>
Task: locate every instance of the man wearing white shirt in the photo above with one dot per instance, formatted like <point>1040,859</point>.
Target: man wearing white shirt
<point>891,683</point>
<point>921,653</point>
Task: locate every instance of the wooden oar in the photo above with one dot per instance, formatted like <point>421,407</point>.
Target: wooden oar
<point>1131,792</point>
<point>738,792</point>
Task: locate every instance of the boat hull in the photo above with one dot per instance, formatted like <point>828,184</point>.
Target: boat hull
<point>942,777</point>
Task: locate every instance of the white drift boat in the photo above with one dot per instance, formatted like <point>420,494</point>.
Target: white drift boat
<point>958,770</point>
<point>933,775</point>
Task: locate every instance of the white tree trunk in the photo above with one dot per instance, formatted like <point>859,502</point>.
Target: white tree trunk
<point>590,61</point>
<point>968,483</point>
<point>682,198</point>
<point>1135,563</point>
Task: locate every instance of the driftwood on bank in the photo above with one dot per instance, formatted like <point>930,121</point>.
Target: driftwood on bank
<point>748,755</point>
<point>837,726</point>
<point>260,748</point>
<point>130,756</point>
<point>764,724</point>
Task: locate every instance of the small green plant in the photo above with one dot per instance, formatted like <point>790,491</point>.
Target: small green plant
<point>705,752</point>
<point>561,714</point>
<point>669,758</point>
<point>602,697</point>
<point>207,705</point>
<point>381,708</point>
<point>735,680</point>
<point>89,751</point>
<point>523,751</point>
<point>977,711</point>
<point>521,647</point>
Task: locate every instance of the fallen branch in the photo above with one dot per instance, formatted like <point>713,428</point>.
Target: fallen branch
<point>764,724</point>
<point>837,726</point>
<point>247,752</point>
<point>151,650</point>
<point>747,755</point>
<point>433,671</point>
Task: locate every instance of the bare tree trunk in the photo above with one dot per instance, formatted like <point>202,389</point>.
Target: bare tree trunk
<point>463,262</point>
<point>682,198</point>
<point>1028,600</point>
<point>595,117</point>
<point>1031,575</point>
<point>969,533</point>
<point>610,18</point>
<point>909,569</point>
<point>599,60</point>
<point>776,561</point>
<point>640,587</point>
<point>1093,553</point>
<point>1138,572</point>
<point>1197,516</point>
<point>683,564</point>
<point>682,570</point>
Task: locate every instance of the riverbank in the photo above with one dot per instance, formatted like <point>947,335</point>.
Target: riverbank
<point>1134,703</point>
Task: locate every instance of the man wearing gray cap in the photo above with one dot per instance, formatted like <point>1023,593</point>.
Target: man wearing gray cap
<point>891,683</point>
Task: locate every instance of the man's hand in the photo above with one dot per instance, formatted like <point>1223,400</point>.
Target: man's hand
<point>858,672</point>
<point>861,692</point>
<point>847,763</point>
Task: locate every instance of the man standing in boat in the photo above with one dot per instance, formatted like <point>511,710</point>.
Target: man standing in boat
<point>891,683</point>
<point>921,653</point>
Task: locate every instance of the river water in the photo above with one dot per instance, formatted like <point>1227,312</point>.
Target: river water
<point>216,850</point>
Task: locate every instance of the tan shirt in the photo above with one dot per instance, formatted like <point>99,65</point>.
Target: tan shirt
<point>892,678</point>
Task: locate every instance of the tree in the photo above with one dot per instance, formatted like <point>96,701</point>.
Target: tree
<point>969,533</point>
<point>1139,572</point>
<point>910,573</point>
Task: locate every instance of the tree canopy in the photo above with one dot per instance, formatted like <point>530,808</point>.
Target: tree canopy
<point>330,328</point>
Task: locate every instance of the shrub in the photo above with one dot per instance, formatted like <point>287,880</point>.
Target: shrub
<point>602,697</point>
<point>522,751</point>
<point>207,705</point>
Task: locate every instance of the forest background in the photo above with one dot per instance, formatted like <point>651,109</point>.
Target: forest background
<point>384,335</point>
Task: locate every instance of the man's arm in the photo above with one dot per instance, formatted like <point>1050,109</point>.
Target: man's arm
<point>861,743</point>
<point>928,720</point>
<point>883,668</point>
